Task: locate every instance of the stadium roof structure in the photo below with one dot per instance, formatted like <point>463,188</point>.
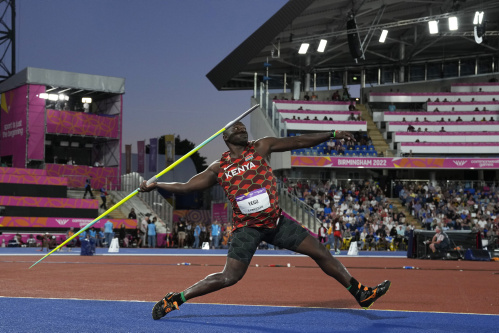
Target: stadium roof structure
<point>276,43</point>
<point>68,82</point>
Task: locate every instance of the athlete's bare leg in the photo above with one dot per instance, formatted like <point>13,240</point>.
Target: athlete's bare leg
<point>234,271</point>
<point>311,247</point>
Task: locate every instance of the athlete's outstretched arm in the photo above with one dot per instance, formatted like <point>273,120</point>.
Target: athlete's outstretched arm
<point>199,182</point>
<point>268,145</point>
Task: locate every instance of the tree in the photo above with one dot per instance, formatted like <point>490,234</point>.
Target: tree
<point>182,147</point>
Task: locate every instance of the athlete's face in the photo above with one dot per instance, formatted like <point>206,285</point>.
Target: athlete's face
<point>236,134</point>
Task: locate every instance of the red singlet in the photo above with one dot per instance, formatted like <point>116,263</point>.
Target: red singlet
<point>250,186</point>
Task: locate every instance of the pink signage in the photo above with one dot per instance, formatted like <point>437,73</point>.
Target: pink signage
<point>27,179</point>
<point>78,174</point>
<point>13,125</point>
<point>48,202</point>
<point>60,222</point>
<point>395,162</point>
<point>36,123</point>
<point>219,212</point>
<point>18,171</point>
<point>70,122</point>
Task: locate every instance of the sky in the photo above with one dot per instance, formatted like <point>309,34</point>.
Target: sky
<point>163,49</point>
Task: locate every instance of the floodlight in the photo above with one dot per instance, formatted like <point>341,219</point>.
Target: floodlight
<point>433,25</point>
<point>62,97</point>
<point>44,95</point>
<point>86,100</point>
<point>453,23</point>
<point>303,48</point>
<point>322,45</point>
<point>53,97</point>
<point>478,19</point>
<point>382,38</point>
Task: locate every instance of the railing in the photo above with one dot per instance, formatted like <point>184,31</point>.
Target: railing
<point>298,209</point>
<point>162,208</point>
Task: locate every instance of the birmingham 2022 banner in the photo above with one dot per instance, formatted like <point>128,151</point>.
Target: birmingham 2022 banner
<point>395,162</point>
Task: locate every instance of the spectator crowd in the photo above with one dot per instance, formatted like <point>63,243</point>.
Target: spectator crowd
<point>354,211</point>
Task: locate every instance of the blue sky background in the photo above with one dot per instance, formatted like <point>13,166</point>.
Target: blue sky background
<point>163,48</point>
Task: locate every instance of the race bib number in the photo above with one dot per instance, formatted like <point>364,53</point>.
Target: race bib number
<point>254,201</point>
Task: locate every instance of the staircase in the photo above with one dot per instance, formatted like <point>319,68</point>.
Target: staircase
<point>398,207</point>
<point>116,214</point>
<point>374,133</point>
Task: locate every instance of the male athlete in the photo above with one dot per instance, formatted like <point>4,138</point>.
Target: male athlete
<point>250,185</point>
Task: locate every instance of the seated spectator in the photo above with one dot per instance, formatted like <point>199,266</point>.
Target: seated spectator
<point>476,109</point>
<point>306,118</point>
<point>483,119</point>
<point>491,119</point>
<point>453,109</point>
<point>442,129</point>
<point>403,119</point>
<point>325,118</point>
<point>294,118</point>
<point>459,100</point>
<point>351,107</point>
<point>473,119</point>
<point>330,118</point>
<point>459,119</point>
<point>315,118</point>
<point>351,117</point>
<point>300,108</point>
<point>411,128</point>
<point>484,109</point>
<point>436,110</point>
<point>306,97</point>
<point>330,145</point>
<point>442,120</point>
<point>445,100</point>
<point>314,97</point>
<point>437,100</point>
<point>417,119</point>
<point>31,242</point>
<point>426,120</point>
<point>392,107</point>
<point>419,129</point>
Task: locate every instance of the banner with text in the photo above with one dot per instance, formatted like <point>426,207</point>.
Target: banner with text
<point>219,211</point>
<point>395,162</point>
<point>13,107</point>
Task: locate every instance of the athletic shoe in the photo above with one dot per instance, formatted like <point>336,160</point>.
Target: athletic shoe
<point>164,306</point>
<point>367,296</point>
<point>338,252</point>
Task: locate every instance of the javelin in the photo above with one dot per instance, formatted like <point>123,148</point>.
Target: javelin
<point>152,180</point>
